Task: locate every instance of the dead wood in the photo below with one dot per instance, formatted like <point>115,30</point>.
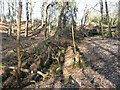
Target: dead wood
<point>25,70</point>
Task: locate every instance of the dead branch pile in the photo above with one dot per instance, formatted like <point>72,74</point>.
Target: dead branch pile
<point>51,56</point>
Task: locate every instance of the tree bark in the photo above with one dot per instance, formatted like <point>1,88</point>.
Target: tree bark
<point>73,32</point>
<point>27,18</point>
<point>73,39</point>
<point>31,14</point>
<point>18,40</point>
<point>59,23</point>
<point>118,27</point>
<point>118,19</point>
<point>10,16</point>
<point>46,20</point>
<point>42,13</point>
<point>108,22</point>
<point>0,11</point>
<point>3,11</point>
<point>101,18</point>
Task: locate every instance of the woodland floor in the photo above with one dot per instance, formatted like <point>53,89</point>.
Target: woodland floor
<point>103,67</point>
<point>100,57</point>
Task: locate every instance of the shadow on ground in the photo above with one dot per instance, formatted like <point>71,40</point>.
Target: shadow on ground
<point>103,60</point>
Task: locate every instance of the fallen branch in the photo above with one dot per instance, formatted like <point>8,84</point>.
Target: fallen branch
<point>8,81</point>
<point>25,70</point>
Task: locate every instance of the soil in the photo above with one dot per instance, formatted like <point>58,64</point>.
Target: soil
<point>102,67</point>
<point>101,70</point>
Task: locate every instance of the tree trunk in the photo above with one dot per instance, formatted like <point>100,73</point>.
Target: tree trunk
<point>31,14</point>
<point>101,18</point>
<point>10,17</point>
<point>73,39</point>
<point>15,5</point>
<point>59,23</point>
<point>118,19</point>
<point>86,17</point>
<point>83,21</point>
<point>3,11</point>
<point>118,29</point>
<point>108,22</point>
<point>42,12</point>
<point>46,22</point>
<point>49,24</point>
<point>73,35</point>
<point>18,40</point>
<point>27,18</point>
<point>0,11</point>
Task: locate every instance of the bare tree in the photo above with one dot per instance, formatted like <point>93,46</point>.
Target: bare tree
<point>118,28</point>
<point>10,17</point>
<point>31,14</point>
<point>73,15</point>
<point>119,18</point>
<point>2,16</point>
<point>83,20</point>
<point>108,22</point>
<point>101,18</point>
<point>27,18</point>
<point>59,20</point>
<point>73,35</point>
<point>42,11</point>
<point>3,11</point>
<point>48,19</point>
<point>18,39</point>
<point>11,14</point>
<point>15,5</point>
<point>0,11</point>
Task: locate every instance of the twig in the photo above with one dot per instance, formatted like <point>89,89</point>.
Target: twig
<point>25,70</point>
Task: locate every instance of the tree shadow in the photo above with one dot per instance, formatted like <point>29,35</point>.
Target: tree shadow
<point>72,84</point>
<point>36,33</point>
<point>110,69</point>
<point>105,49</point>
